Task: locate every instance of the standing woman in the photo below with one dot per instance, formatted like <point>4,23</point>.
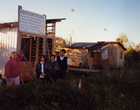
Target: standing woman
<point>41,69</point>
<point>12,69</point>
<point>52,68</point>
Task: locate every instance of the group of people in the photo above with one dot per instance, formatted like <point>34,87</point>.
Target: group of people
<point>56,68</point>
<point>53,69</point>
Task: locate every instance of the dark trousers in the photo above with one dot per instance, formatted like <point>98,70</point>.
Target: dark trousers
<point>62,74</point>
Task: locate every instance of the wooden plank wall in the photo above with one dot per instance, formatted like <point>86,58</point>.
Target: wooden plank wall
<point>77,56</point>
<point>113,55</point>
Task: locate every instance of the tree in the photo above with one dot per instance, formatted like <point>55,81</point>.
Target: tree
<point>137,47</point>
<point>123,39</point>
<point>60,43</point>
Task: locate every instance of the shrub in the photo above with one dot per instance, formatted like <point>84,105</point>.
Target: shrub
<point>103,91</point>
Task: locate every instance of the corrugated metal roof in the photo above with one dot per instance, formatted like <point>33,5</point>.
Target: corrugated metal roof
<point>8,24</point>
<point>98,46</point>
<point>93,46</point>
<point>12,24</point>
<point>81,44</point>
<point>55,20</point>
<point>112,42</point>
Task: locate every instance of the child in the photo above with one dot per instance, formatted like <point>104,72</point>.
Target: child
<point>0,80</point>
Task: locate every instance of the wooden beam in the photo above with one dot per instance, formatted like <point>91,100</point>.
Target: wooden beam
<point>26,49</point>
<point>29,35</point>
<point>37,49</point>
<point>30,56</point>
<point>53,41</point>
<point>26,46</point>
<point>85,70</point>
<point>50,37</point>
<point>47,47</point>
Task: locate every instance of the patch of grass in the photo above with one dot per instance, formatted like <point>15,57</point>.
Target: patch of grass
<point>103,91</point>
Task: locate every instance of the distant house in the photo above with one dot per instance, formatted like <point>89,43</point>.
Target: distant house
<point>96,55</point>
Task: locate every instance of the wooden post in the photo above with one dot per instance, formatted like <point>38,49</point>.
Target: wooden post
<point>37,48</point>
<point>48,51</point>
<point>54,38</point>
<point>44,40</point>
<point>30,55</point>
<point>18,33</point>
<point>80,83</point>
<point>108,59</point>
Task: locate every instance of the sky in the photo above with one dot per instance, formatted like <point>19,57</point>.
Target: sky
<point>88,21</point>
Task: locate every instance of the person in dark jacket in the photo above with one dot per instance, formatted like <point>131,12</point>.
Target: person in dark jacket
<point>41,69</point>
<point>52,68</point>
<point>63,62</point>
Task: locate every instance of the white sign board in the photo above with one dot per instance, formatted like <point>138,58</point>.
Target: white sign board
<point>104,52</point>
<point>30,22</point>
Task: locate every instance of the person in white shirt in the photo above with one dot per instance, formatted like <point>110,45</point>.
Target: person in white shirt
<point>41,69</point>
<point>64,63</point>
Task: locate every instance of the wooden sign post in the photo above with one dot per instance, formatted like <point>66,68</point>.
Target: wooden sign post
<point>31,23</point>
<point>44,40</point>
<point>19,34</point>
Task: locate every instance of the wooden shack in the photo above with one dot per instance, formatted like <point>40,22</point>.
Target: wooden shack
<point>31,45</point>
<point>96,55</point>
